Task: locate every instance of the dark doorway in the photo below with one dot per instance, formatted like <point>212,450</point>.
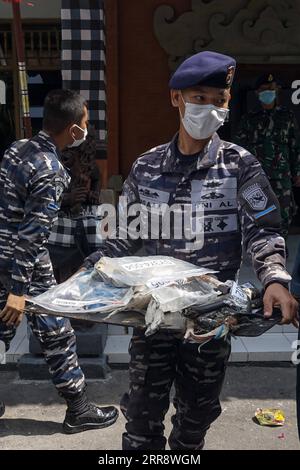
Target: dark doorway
<point>39,85</point>
<point>244,99</point>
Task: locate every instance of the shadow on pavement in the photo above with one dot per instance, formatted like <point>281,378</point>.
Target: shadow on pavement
<point>28,427</point>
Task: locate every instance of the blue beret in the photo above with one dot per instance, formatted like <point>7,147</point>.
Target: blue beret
<point>206,68</point>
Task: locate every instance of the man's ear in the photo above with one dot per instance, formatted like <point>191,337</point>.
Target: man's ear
<point>175,97</point>
<point>70,129</point>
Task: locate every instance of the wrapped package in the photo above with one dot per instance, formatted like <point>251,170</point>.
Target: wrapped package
<point>165,292</point>
<point>84,292</point>
<point>150,271</point>
<point>152,285</point>
<point>179,295</point>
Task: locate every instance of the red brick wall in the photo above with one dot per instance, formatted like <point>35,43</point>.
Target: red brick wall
<point>146,116</point>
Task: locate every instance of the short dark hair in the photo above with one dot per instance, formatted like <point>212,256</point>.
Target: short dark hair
<point>62,108</point>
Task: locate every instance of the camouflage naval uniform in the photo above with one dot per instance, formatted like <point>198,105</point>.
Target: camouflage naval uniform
<point>273,137</point>
<point>32,181</point>
<point>238,203</point>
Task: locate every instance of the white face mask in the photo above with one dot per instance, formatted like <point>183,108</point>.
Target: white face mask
<point>202,120</point>
<point>78,142</point>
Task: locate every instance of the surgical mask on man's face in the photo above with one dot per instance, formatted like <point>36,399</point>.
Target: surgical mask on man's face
<point>78,142</point>
<point>267,96</point>
<point>202,120</point>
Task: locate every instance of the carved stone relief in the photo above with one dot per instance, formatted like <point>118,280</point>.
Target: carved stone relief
<point>253,31</point>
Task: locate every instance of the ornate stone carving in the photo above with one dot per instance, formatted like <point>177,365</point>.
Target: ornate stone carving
<point>253,31</point>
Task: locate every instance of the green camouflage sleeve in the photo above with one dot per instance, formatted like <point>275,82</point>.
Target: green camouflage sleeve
<point>294,144</point>
<point>121,244</point>
<point>260,219</point>
<point>242,135</point>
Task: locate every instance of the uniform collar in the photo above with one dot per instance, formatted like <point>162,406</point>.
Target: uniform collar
<point>206,159</point>
<point>49,142</point>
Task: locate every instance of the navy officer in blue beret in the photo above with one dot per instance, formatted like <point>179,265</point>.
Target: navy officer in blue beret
<point>197,168</point>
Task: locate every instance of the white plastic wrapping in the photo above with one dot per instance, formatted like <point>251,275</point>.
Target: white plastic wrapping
<point>153,271</point>
<point>84,292</point>
<point>169,293</point>
<point>154,285</point>
<point>183,294</point>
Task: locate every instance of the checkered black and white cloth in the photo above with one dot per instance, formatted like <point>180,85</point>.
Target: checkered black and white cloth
<point>70,231</point>
<point>83,56</point>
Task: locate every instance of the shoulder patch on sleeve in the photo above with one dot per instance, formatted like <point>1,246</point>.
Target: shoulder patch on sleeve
<point>59,188</point>
<point>256,197</point>
<point>258,200</point>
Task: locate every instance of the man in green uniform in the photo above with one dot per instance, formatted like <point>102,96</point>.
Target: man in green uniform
<point>271,133</point>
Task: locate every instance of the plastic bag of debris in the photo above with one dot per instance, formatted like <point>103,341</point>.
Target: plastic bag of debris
<point>150,271</point>
<point>240,312</point>
<point>181,294</point>
<point>131,283</point>
<point>84,292</point>
<point>156,286</point>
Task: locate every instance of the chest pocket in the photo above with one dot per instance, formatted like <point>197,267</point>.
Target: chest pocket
<point>217,200</point>
<point>149,196</point>
<point>270,130</point>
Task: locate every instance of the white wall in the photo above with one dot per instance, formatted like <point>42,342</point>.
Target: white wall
<point>41,9</point>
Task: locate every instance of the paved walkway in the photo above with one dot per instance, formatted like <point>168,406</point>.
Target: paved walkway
<point>34,412</point>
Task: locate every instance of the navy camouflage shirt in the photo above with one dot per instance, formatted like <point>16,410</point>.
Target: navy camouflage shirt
<point>32,181</point>
<point>240,209</point>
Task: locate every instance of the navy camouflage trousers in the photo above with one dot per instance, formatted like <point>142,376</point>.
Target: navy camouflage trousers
<point>158,362</point>
<point>55,335</point>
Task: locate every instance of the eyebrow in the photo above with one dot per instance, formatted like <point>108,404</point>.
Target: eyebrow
<point>201,90</point>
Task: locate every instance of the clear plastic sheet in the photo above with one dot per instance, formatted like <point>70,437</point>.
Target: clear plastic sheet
<point>84,292</point>
<point>130,282</point>
<point>161,288</point>
<point>182,294</point>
